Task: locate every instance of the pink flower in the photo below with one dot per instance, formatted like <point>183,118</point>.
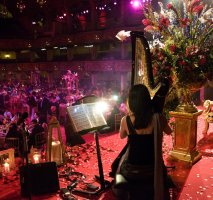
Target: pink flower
<point>149,28</point>
<point>146,22</point>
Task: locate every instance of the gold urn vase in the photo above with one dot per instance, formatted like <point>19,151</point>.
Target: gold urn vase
<point>185,92</point>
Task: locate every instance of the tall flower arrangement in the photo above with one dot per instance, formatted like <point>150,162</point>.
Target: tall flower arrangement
<point>182,47</point>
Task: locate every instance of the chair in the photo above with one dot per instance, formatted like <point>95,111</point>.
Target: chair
<point>117,118</point>
<point>13,143</point>
<point>40,140</point>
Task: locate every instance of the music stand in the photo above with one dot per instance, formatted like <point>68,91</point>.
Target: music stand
<point>85,118</point>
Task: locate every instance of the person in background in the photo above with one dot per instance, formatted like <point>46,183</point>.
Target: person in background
<point>36,128</point>
<point>44,108</point>
<point>143,162</point>
<point>23,122</point>
<point>32,102</point>
<point>13,132</point>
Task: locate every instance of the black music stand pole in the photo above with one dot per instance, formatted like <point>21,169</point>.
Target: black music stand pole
<point>104,184</point>
<point>25,144</point>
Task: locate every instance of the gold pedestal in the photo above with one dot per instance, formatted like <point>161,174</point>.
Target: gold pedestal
<point>185,137</point>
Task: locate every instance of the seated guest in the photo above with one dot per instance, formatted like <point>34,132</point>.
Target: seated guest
<point>36,128</point>
<point>21,122</point>
<point>7,117</point>
<point>13,132</point>
<point>16,117</point>
<point>44,107</point>
<point>1,117</point>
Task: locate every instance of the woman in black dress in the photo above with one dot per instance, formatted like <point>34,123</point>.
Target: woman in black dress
<point>142,164</point>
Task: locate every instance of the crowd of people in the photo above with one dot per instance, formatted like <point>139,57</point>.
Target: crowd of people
<point>139,124</point>
<point>23,106</point>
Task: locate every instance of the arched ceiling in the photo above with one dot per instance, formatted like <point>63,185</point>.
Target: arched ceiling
<point>22,23</point>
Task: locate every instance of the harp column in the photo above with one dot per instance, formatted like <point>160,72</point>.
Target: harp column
<point>185,137</point>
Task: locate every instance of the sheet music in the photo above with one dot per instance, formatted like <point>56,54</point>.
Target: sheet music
<point>94,114</point>
<point>86,116</point>
<point>79,118</point>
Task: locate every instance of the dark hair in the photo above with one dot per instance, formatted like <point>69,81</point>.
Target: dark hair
<point>24,115</point>
<point>34,121</point>
<point>140,104</point>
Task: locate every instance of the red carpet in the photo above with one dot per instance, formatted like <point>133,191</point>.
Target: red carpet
<point>193,182</point>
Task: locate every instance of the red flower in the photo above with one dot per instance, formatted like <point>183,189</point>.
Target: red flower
<point>195,2</point>
<point>191,50</point>
<point>202,60</point>
<point>187,68</point>
<point>169,6</point>
<point>160,56</point>
<point>155,71</point>
<point>197,9</point>
<point>184,21</point>
<point>192,5</point>
<point>182,62</point>
<point>146,22</point>
<point>172,48</point>
<point>160,28</point>
<point>164,21</point>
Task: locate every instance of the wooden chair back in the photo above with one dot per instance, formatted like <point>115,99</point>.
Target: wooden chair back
<point>12,142</point>
<point>40,140</point>
<point>117,119</point>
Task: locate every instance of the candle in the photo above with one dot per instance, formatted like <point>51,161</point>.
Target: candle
<point>56,153</point>
<point>36,158</point>
<point>6,167</point>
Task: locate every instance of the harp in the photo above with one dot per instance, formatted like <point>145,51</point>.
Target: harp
<point>141,64</point>
<point>142,74</point>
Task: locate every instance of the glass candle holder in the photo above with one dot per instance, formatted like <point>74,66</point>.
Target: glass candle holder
<point>36,158</point>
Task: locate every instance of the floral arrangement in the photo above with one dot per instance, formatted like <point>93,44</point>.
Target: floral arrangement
<point>71,80</point>
<point>182,41</point>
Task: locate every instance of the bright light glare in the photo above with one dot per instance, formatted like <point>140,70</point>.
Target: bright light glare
<point>115,97</point>
<point>102,106</point>
<point>135,3</point>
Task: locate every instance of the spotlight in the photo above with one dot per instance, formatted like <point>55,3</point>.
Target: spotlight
<point>136,4</point>
<point>102,106</point>
<point>115,97</point>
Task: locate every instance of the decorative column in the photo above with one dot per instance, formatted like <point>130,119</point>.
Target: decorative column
<point>93,15</point>
<point>93,79</point>
<point>49,54</point>
<point>69,53</point>
<point>123,81</point>
<point>185,137</point>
